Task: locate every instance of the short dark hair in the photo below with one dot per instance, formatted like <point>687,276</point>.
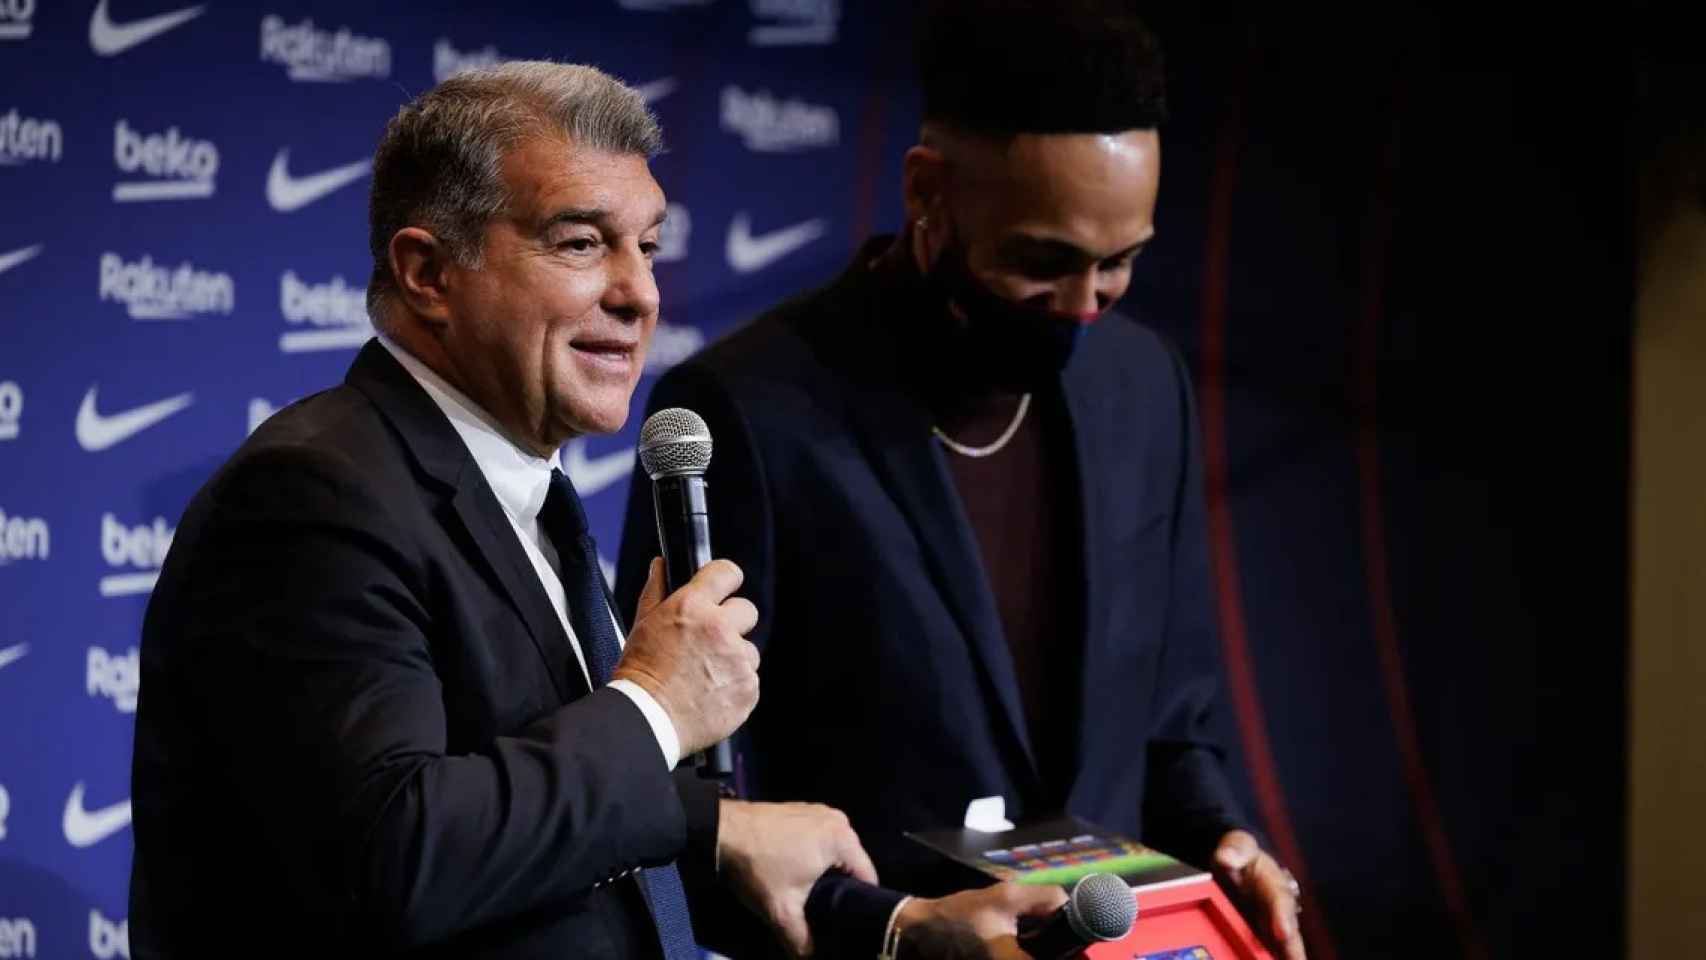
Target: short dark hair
<point>1004,67</point>
<point>439,164</point>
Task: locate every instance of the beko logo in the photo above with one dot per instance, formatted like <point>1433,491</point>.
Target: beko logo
<point>177,167</point>
<point>11,409</point>
<point>23,538</point>
<point>23,139</point>
<point>310,55</point>
<point>117,677</point>
<point>17,938</point>
<point>151,292</point>
<point>768,125</point>
<point>133,549</point>
<point>447,61</point>
<point>107,939</point>
<point>335,312</point>
<point>798,23</point>
<point>15,16</point>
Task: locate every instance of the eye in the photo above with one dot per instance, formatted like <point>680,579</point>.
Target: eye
<point>579,244</point>
<point>649,248</point>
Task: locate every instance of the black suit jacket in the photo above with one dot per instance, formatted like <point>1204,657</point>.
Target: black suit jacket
<point>889,690</point>
<point>362,729</point>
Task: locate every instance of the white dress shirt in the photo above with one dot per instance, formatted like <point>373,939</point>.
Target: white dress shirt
<point>520,479</point>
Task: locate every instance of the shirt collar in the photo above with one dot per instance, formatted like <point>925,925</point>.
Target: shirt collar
<point>519,477</point>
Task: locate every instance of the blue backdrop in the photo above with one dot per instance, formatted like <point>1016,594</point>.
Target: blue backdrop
<point>1396,269</point>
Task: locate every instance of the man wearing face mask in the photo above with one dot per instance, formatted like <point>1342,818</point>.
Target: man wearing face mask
<point>967,495</point>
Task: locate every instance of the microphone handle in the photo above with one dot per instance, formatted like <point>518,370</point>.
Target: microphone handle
<point>684,533</point>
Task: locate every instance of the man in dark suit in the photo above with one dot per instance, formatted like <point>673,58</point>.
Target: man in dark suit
<point>388,709</point>
<point>967,496</point>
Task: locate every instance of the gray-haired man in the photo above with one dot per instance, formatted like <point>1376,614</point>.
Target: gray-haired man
<point>388,710</point>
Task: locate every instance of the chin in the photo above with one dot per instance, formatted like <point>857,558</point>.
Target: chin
<point>597,417</point>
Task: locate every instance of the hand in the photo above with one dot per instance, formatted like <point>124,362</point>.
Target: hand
<point>772,853</point>
<point>1265,892</point>
<point>992,913</point>
<point>689,651</point>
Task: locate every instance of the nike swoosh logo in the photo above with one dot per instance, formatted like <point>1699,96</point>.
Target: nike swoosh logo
<point>287,193</point>
<point>96,432</point>
<point>85,828</point>
<point>111,39</point>
<point>591,476</point>
<point>13,654</point>
<point>748,253</point>
<point>10,260</point>
<point>657,89</point>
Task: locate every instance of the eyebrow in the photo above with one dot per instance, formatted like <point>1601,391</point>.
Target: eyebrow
<point>591,215</point>
<point>1061,248</point>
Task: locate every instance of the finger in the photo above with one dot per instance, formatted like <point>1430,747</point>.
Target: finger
<point>652,594</point>
<point>1033,900</point>
<point>1269,887</point>
<point>715,581</point>
<point>850,855</point>
<point>796,935</point>
<point>1238,849</point>
<point>741,615</point>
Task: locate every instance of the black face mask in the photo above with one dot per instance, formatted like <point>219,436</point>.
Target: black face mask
<point>1001,344</point>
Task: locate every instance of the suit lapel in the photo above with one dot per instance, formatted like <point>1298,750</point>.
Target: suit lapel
<point>1081,411</point>
<point>442,455</point>
<point>894,429</point>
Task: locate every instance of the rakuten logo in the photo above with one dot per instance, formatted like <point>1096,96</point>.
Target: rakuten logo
<point>129,548</point>
<point>447,61</point>
<point>117,677</point>
<point>108,939</point>
<point>152,292</point>
<point>798,23</point>
<point>23,139</point>
<point>177,167</point>
<point>335,311</point>
<point>310,55</point>
<point>768,125</point>
<point>11,409</point>
<point>15,17</point>
<point>23,538</point>
<point>17,938</point>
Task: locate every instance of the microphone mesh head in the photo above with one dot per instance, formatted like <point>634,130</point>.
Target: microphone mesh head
<point>673,442</point>
<point>1101,907</point>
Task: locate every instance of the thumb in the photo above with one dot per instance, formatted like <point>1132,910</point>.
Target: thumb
<point>652,594</point>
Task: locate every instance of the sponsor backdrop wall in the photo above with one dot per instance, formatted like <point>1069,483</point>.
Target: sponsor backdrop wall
<point>1369,253</point>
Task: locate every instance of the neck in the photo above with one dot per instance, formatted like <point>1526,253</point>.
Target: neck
<point>426,346</point>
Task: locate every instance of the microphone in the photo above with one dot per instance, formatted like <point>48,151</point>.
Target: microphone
<point>1101,907</point>
<point>675,449</point>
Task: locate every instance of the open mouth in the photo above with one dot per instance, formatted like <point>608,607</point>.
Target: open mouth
<point>612,354</point>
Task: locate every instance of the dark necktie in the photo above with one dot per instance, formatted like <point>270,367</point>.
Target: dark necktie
<point>564,522</point>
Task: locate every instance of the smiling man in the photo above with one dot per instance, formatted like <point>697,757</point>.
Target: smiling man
<point>967,494</point>
<point>388,709</point>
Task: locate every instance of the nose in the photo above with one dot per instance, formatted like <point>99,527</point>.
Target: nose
<point>631,293</point>
<point>1078,294</point>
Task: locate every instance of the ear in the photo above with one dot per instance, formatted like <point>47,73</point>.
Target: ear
<point>923,180</point>
<point>419,263</point>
